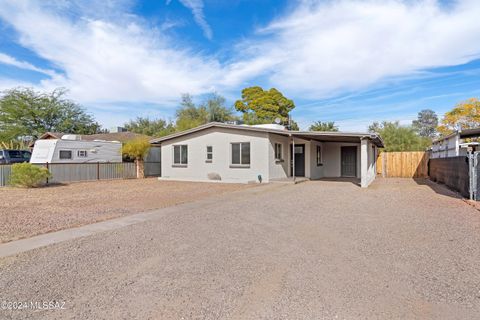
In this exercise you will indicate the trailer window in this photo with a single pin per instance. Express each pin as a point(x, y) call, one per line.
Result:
point(65, 154)
point(82, 153)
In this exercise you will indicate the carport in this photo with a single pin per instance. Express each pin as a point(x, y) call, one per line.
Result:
point(317, 155)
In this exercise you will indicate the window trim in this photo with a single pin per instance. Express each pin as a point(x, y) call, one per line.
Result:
point(319, 159)
point(60, 152)
point(240, 165)
point(209, 153)
point(180, 164)
point(280, 158)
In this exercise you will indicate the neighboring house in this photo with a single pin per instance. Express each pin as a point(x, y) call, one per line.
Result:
point(241, 153)
point(455, 144)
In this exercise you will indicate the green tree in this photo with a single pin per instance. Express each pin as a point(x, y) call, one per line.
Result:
point(137, 149)
point(323, 126)
point(212, 109)
point(150, 127)
point(426, 123)
point(399, 138)
point(25, 112)
point(216, 109)
point(189, 115)
point(263, 106)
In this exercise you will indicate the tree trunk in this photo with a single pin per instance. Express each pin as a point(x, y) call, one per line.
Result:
point(140, 168)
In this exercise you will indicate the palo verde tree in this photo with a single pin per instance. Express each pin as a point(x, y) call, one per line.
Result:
point(150, 127)
point(211, 109)
point(323, 126)
point(264, 106)
point(137, 149)
point(465, 115)
point(25, 112)
point(399, 138)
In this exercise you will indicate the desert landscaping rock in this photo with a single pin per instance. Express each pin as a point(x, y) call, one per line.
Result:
point(28, 212)
point(316, 250)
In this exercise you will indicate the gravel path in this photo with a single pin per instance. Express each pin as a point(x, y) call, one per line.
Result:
point(28, 212)
point(316, 250)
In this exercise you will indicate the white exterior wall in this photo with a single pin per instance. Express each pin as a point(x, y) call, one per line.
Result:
point(48, 150)
point(316, 172)
point(220, 139)
point(367, 163)
point(449, 147)
point(278, 169)
point(332, 159)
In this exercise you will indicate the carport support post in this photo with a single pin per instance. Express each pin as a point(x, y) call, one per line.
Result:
point(293, 158)
point(364, 163)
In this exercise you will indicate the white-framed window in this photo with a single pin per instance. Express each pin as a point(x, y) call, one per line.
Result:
point(180, 155)
point(240, 154)
point(319, 156)
point(278, 151)
point(82, 153)
point(209, 153)
point(65, 154)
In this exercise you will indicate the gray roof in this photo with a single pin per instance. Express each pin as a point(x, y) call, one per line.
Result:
point(466, 133)
point(327, 136)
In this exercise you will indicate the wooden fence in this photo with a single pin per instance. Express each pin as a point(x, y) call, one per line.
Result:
point(412, 164)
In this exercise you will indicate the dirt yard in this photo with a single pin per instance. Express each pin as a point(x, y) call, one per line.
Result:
point(316, 250)
point(28, 212)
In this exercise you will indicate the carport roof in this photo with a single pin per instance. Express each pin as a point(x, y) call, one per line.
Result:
point(326, 136)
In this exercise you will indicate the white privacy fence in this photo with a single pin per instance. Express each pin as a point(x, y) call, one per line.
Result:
point(70, 172)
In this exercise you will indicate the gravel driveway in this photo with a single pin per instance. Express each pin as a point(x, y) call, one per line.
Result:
point(28, 212)
point(316, 250)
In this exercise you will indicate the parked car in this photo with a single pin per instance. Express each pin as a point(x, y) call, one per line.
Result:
point(14, 156)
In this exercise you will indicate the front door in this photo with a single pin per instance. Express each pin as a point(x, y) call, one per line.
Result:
point(299, 160)
point(349, 161)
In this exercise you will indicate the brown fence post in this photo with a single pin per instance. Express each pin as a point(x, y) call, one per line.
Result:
point(98, 170)
point(48, 171)
point(384, 164)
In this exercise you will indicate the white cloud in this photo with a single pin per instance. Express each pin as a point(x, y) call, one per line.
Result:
point(325, 47)
point(108, 60)
point(9, 60)
point(196, 7)
point(319, 48)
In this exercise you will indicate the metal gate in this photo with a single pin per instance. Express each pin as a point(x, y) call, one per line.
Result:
point(153, 165)
point(473, 172)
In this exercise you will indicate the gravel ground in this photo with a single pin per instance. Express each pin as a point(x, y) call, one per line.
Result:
point(316, 250)
point(28, 212)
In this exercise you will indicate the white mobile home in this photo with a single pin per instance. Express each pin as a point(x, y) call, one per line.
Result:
point(71, 149)
point(241, 153)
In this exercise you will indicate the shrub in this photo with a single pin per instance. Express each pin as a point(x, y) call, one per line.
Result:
point(27, 175)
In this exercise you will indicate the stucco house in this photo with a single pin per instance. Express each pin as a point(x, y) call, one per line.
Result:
point(263, 153)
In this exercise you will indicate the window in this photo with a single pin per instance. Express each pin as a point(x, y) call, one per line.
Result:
point(319, 156)
point(180, 155)
point(241, 154)
point(209, 153)
point(65, 154)
point(82, 153)
point(278, 151)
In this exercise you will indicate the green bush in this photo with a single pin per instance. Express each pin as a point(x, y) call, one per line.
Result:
point(27, 175)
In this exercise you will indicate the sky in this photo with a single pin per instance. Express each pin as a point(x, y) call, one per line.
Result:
point(348, 61)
